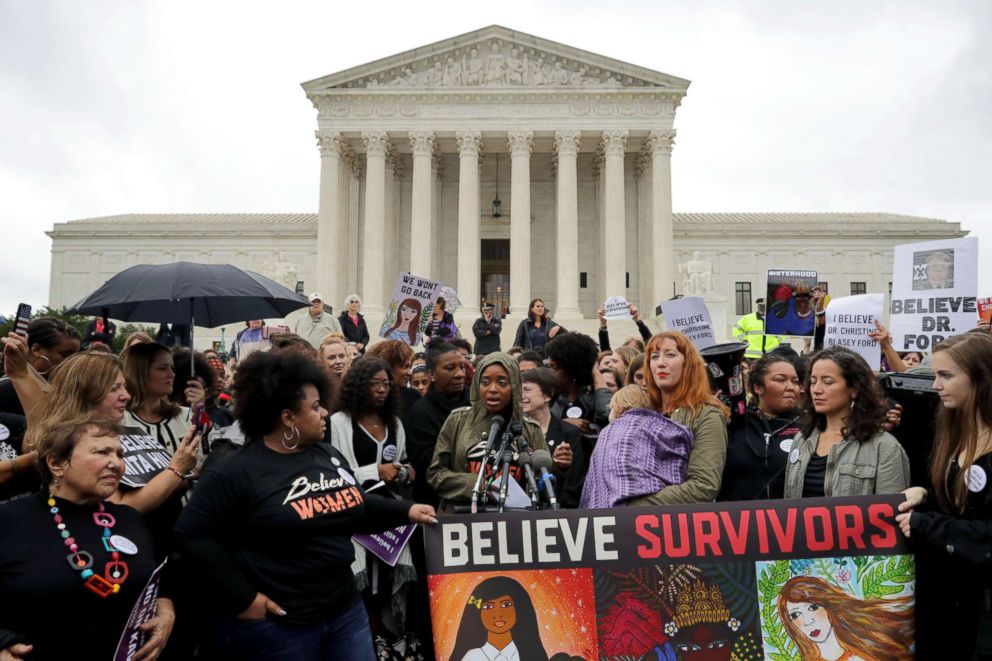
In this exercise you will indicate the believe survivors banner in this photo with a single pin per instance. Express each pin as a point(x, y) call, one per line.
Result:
point(784, 579)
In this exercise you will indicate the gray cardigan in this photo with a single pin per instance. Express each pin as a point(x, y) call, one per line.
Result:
point(876, 466)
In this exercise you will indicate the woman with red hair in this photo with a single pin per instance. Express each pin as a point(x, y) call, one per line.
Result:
point(675, 375)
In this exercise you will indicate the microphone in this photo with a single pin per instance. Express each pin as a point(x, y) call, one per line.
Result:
point(525, 460)
point(542, 460)
point(494, 433)
point(506, 459)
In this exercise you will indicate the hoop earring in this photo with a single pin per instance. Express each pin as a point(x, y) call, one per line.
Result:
point(49, 366)
point(852, 403)
point(288, 436)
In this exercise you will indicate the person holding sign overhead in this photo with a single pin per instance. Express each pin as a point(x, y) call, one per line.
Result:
point(270, 527)
point(954, 529)
point(842, 449)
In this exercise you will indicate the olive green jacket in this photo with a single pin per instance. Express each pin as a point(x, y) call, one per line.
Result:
point(706, 460)
point(876, 466)
point(465, 432)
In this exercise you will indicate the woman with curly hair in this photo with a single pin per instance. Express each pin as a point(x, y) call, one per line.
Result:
point(584, 399)
point(827, 623)
point(842, 436)
point(399, 357)
point(499, 619)
point(270, 527)
point(678, 388)
point(368, 434)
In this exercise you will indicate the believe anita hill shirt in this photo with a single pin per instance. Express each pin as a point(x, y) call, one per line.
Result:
point(281, 524)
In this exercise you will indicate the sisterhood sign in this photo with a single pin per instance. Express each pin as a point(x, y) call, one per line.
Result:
point(629, 582)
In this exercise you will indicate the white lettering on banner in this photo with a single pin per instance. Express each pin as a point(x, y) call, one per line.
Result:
point(302, 486)
point(488, 544)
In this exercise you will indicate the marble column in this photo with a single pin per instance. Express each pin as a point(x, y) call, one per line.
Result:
point(520, 144)
point(329, 252)
point(567, 232)
point(662, 231)
point(469, 246)
point(421, 207)
point(373, 264)
point(614, 247)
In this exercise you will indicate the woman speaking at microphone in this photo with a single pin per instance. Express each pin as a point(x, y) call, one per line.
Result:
point(270, 527)
point(496, 390)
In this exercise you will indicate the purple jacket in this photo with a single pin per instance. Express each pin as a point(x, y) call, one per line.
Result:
point(638, 454)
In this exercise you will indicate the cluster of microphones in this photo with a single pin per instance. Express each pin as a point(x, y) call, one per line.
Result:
point(501, 444)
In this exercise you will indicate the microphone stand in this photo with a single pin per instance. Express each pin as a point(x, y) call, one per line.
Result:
point(527, 462)
point(506, 458)
point(476, 490)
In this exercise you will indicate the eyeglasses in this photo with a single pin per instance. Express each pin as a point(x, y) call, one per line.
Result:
point(381, 385)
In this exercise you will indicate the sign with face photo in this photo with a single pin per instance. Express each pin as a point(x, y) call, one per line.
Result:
point(789, 303)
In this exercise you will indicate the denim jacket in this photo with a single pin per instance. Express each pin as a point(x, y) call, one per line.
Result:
point(876, 466)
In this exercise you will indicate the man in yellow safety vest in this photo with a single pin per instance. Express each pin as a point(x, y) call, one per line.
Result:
point(751, 329)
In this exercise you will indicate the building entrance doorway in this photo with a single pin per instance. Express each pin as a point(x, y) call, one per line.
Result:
point(496, 274)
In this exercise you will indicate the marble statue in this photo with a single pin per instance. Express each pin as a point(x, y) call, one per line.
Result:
point(495, 69)
point(697, 276)
point(473, 69)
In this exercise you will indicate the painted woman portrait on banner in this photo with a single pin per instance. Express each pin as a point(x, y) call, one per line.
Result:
point(410, 309)
point(851, 608)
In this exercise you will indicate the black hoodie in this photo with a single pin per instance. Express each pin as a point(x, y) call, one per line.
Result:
point(756, 456)
point(422, 423)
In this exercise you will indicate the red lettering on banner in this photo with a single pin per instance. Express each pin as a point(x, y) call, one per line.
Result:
point(736, 536)
point(786, 538)
point(666, 527)
point(762, 531)
point(850, 527)
point(642, 524)
point(704, 538)
point(888, 537)
point(823, 514)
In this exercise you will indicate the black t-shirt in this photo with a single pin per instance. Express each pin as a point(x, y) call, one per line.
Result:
point(43, 600)
point(9, 401)
point(816, 472)
point(281, 524)
point(12, 428)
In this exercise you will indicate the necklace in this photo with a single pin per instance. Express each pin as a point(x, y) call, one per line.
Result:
point(114, 572)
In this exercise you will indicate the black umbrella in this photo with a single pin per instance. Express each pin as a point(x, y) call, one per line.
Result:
point(186, 293)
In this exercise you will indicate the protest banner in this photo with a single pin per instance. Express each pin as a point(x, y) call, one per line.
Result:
point(985, 309)
point(934, 292)
point(637, 583)
point(144, 609)
point(850, 321)
point(411, 308)
point(790, 303)
point(144, 457)
point(691, 317)
point(617, 307)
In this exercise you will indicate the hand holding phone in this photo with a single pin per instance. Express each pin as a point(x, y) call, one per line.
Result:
point(22, 320)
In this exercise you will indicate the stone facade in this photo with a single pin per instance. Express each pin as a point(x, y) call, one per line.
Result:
point(577, 146)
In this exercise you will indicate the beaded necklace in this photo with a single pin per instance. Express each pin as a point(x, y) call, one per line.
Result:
point(114, 572)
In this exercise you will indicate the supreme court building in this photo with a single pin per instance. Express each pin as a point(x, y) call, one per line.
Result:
point(509, 167)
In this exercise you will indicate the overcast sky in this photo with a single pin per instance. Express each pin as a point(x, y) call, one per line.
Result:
point(109, 107)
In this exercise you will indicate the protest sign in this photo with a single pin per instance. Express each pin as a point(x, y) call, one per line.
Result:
point(985, 309)
point(790, 303)
point(617, 307)
point(144, 457)
point(691, 317)
point(386, 545)
point(144, 609)
point(850, 321)
point(411, 308)
point(635, 583)
point(934, 292)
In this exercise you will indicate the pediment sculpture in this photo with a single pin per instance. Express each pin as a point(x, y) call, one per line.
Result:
point(500, 64)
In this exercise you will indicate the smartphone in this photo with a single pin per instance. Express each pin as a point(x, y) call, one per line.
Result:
point(23, 319)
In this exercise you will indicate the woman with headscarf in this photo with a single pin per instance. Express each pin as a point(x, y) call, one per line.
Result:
point(496, 390)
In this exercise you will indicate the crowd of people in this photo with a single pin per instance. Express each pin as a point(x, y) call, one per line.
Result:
point(251, 471)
